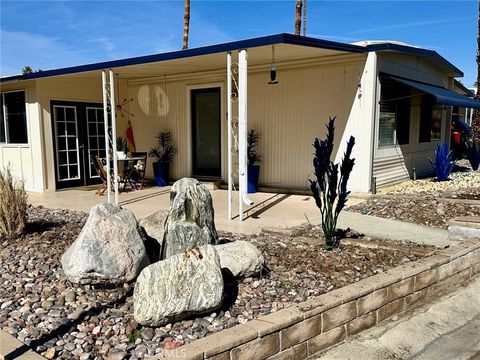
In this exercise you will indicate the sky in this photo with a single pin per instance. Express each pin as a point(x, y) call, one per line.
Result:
point(52, 34)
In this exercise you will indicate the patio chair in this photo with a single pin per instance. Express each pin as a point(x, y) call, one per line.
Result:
point(97, 163)
point(140, 167)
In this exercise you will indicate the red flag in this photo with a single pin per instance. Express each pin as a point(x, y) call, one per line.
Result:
point(130, 138)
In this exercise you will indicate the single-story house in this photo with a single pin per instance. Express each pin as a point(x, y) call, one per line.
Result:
point(397, 100)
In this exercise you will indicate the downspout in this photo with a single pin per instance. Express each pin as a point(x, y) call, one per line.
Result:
point(373, 185)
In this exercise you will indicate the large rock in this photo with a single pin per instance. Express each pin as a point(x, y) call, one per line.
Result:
point(185, 284)
point(109, 249)
point(154, 229)
point(190, 219)
point(242, 258)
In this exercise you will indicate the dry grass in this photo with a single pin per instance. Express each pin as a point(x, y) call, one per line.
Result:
point(13, 205)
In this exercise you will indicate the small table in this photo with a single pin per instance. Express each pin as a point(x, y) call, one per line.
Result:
point(128, 172)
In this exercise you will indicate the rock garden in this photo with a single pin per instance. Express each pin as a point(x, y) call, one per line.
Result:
point(102, 286)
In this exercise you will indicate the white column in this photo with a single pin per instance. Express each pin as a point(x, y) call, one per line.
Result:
point(242, 132)
point(107, 138)
point(114, 133)
point(229, 132)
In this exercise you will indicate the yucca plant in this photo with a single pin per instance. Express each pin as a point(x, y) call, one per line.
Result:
point(473, 155)
point(328, 186)
point(443, 164)
point(163, 151)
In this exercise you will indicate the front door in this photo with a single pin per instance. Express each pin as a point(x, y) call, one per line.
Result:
point(78, 130)
point(206, 132)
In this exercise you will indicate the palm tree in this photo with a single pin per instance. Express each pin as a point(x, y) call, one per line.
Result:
point(186, 24)
point(476, 120)
point(298, 17)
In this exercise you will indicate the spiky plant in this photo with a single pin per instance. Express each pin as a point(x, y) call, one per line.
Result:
point(328, 186)
point(163, 151)
point(253, 155)
point(443, 164)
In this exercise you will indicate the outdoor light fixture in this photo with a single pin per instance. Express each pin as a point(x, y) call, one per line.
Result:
point(273, 69)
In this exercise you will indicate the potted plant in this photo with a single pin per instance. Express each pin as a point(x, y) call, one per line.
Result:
point(254, 159)
point(163, 152)
point(121, 147)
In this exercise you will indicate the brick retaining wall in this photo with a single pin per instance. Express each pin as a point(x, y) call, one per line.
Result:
point(316, 324)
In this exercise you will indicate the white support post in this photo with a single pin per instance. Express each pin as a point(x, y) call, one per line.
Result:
point(229, 131)
point(107, 137)
point(114, 134)
point(242, 132)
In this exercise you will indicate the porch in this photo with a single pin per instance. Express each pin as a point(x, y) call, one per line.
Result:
point(269, 209)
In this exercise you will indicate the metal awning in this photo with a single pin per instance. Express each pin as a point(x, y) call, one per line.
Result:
point(442, 95)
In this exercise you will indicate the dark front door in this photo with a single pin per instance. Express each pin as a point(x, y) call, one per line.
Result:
point(206, 126)
point(78, 130)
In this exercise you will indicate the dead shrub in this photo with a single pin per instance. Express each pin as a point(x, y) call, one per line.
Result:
point(13, 205)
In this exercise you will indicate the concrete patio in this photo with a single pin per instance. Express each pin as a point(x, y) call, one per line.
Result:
point(269, 210)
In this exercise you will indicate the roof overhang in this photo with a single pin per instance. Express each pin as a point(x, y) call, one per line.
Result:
point(442, 96)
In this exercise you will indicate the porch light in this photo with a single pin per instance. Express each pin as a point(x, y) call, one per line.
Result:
point(273, 69)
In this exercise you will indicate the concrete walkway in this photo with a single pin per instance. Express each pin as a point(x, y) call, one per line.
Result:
point(393, 229)
point(447, 330)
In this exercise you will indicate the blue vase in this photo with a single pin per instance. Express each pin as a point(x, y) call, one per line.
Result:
point(252, 178)
point(160, 173)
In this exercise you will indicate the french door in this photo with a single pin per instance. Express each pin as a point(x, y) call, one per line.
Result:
point(78, 130)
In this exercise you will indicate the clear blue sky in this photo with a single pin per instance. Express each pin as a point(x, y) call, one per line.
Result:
point(52, 34)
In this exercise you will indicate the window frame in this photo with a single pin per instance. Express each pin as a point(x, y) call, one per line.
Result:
point(396, 142)
point(6, 143)
point(432, 107)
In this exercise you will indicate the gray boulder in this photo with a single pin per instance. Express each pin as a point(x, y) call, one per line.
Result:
point(242, 258)
point(185, 284)
point(190, 219)
point(109, 249)
point(154, 228)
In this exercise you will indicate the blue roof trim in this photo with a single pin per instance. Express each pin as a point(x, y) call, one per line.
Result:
point(442, 95)
point(413, 51)
point(283, 38)
point(205, 50)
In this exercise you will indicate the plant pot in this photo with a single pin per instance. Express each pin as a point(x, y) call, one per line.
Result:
point(121, 155)
point(160, 172)
point(252, 178)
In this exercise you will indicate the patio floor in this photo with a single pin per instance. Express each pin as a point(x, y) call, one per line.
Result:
point(269, 210)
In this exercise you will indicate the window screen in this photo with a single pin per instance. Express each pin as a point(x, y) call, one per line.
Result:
point(14, 118)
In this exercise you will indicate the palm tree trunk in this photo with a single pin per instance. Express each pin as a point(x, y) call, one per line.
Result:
point(298, 17)
point(476, 118)
point(186, 24)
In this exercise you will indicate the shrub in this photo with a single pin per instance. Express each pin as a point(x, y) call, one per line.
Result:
point(13, 205)
point(473, 155)
point(328, 186)
point(443, 164)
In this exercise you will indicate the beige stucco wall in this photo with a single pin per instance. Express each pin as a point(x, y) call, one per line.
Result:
point(288, 116)
point(396, 163)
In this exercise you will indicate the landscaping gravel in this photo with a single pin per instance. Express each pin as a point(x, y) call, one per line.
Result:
point(61, 320)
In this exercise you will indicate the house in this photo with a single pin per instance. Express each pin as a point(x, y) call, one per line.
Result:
point(394, 98)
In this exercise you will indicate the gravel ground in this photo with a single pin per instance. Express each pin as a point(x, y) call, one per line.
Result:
point(427, 202)
point(61, 320)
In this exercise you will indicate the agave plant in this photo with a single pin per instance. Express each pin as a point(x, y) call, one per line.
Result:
point(328, 186)
point(443, 164)
point(473, 155)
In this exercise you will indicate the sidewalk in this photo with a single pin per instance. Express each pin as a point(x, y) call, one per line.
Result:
point(449, 329)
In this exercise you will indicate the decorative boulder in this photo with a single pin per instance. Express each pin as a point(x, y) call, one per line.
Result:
point(154, 229)
point(242, 258)
point(109, 249)
point(185, 284)
point(190, 219)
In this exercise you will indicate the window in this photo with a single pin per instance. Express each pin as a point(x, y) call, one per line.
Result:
point(394, 122)
point(13, 119)
point(430, 120)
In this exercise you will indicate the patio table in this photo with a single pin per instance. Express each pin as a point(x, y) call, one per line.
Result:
point(127, 173)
